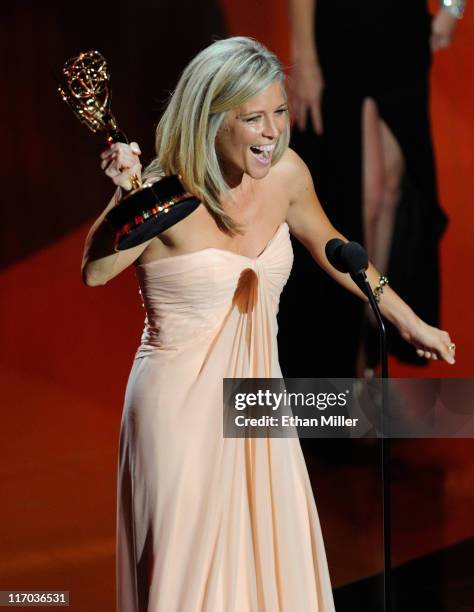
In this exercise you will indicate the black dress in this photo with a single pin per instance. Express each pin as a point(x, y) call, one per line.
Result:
point(378, 49)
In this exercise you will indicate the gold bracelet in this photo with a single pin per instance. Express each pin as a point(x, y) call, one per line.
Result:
point(383, 280)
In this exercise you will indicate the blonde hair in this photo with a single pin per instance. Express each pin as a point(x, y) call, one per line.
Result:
point(221, 77)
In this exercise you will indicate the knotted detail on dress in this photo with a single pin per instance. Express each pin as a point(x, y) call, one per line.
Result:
point(245, 300)
point(246, 294)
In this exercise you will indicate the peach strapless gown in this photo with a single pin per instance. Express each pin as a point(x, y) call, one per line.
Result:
point(207, 523)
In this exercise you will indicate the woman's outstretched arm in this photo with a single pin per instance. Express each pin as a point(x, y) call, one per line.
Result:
point(309, 224)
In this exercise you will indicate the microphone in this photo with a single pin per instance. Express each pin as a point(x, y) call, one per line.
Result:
point(348, 257)
point(333, 253)
point(351, 258)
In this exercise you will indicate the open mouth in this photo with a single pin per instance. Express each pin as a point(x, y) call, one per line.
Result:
point(263, 153)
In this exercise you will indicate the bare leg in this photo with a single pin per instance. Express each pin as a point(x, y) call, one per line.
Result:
point(373, 180)
point(382, 171)
point(373, 177)
point(383, 167)
point(394, 168)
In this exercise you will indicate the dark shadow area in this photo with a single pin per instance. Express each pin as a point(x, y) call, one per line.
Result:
point(440, 582)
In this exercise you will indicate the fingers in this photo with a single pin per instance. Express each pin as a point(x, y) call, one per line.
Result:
point(443, 26)
point(447, 348)
point(426, 354)
point(305, 85)
point(443, 348)
point(299, 111)
point(119, 157)
point(448, 352)
point(316, 118)
point(106, 161)
point(122, 151)
point(435, 43)
point(112, 171)
point(439, 41)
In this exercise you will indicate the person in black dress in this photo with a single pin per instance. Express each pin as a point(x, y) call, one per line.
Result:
point(360, 90)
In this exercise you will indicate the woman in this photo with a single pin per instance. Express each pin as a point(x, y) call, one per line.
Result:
point(360, 88)
point(207, 523)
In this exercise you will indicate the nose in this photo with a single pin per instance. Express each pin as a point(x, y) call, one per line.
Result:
point(270, 128)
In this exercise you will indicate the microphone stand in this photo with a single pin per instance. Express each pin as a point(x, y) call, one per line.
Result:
point(361, 280)
point(352, 258)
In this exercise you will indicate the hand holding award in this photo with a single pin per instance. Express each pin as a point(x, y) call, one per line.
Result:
point(149, 209)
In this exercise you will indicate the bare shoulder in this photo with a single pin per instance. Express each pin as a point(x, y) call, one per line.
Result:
point(305, 216)
point(294, 173)
point(292, 161)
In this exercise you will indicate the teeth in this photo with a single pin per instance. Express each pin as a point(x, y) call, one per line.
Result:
point(265, 148)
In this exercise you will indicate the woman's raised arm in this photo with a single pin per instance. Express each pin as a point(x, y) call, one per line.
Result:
point(100, 262)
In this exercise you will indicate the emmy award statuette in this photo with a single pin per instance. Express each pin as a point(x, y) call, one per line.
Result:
point(148, 209)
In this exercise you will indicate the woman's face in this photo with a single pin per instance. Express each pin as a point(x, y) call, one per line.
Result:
point(248, 135)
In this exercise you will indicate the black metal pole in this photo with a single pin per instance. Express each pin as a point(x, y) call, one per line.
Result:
point(385, 441)
point(351, 257)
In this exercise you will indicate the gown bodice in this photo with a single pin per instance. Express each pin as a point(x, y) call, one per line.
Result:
point(188, 296)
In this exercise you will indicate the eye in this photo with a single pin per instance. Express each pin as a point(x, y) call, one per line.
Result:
point(252, 119)
point(280, 111)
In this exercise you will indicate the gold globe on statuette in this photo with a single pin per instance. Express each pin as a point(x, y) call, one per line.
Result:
point(149, 209)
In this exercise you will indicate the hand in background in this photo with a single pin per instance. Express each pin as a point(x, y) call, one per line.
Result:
point(305, 88)
point(120, 162)
point(443, 27)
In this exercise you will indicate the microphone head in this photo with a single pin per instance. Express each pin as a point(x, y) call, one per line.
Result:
point(354, 258)
point(333, 253)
